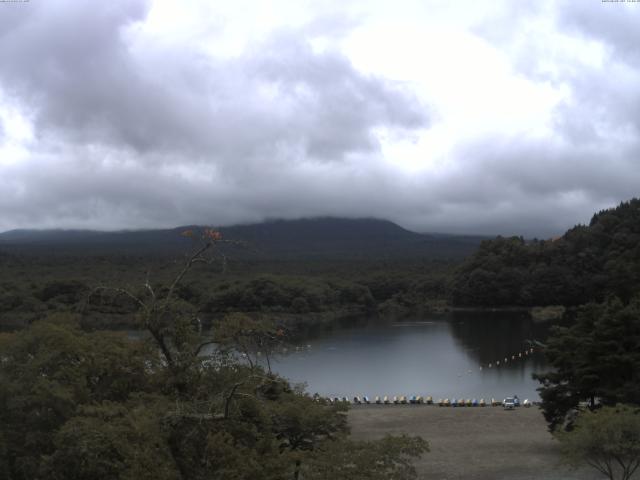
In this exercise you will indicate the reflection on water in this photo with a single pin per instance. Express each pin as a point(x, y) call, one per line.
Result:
point(439, 356)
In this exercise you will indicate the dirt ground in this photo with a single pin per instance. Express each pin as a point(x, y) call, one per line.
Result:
point(471, 443)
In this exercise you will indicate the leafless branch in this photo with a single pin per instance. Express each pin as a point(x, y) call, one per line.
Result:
point(229, 397)
point(150, 288)
point(189, 263)
point(202, 345)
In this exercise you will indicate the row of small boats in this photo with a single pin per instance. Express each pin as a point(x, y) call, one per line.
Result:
point(416, 399)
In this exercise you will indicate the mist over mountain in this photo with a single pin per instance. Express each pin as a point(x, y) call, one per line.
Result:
point(316, 237)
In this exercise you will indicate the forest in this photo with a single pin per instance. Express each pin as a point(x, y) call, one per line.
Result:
point(80, 403)
point(80, 400)
point(586, 264)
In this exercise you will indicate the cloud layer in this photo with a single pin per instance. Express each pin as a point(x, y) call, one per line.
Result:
point(110, 122)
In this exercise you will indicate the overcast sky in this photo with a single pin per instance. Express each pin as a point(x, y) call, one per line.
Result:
point(494, 117)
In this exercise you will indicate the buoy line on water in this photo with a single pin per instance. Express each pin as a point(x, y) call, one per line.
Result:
point(505, 360)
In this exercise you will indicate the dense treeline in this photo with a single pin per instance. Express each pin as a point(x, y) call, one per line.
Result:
point(586, 264)
point(34, 286)
point(595, 359)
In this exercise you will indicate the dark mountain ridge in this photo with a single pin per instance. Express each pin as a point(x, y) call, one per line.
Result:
point(316, 237)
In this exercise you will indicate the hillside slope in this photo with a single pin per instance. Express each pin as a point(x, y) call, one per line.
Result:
point(586, 264)
point(291, 239)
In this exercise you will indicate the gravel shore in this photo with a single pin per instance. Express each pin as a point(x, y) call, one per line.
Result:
point(471, 443)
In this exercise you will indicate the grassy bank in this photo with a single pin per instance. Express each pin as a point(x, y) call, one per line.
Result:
point(471, 443)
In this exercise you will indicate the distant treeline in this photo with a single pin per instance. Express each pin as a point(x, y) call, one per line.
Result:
point(32, 287)
point(586, 264)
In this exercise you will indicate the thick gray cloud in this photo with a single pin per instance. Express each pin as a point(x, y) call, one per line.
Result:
point(89, 81)
point(132, 133)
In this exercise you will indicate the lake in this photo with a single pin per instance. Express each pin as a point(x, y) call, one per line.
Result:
point(444, 356)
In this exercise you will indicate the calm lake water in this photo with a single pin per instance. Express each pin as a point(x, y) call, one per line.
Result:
point(439, 356)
